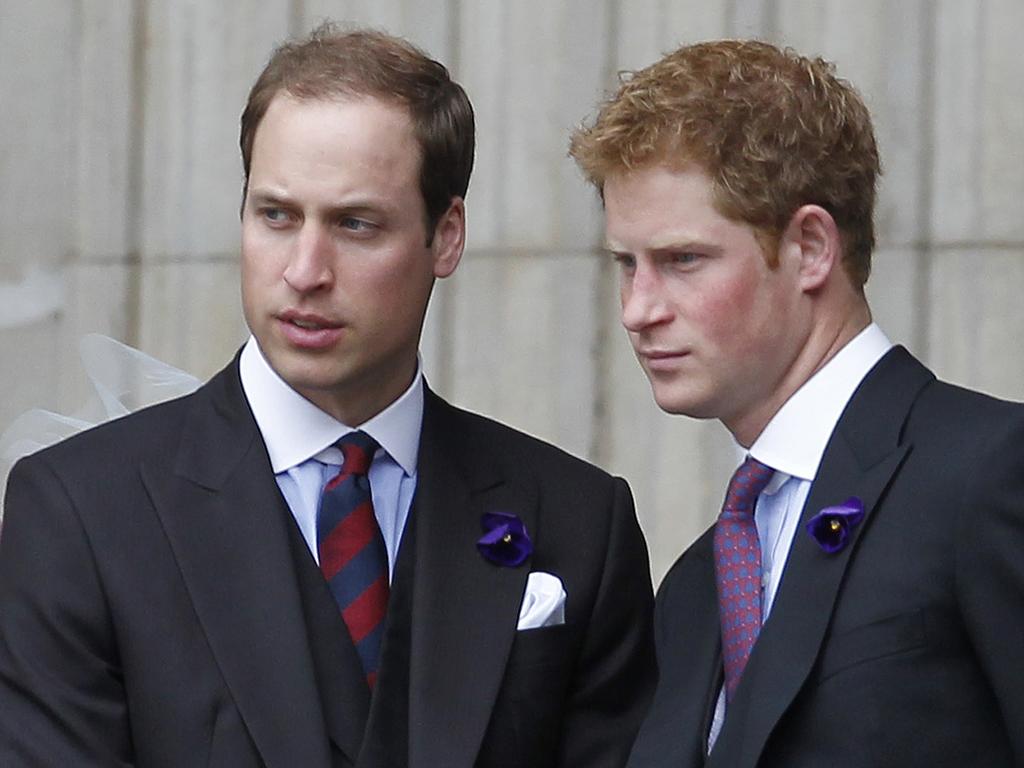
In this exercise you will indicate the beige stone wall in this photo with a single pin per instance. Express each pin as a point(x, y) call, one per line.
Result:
point(119, 187)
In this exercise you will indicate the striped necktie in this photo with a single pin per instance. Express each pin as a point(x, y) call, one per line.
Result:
point(353, 558)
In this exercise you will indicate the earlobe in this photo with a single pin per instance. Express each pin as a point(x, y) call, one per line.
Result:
point(449, 238)
point(815, 235)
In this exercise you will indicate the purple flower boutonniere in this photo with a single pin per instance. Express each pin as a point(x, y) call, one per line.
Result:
point(832, 526)
point(505, 540)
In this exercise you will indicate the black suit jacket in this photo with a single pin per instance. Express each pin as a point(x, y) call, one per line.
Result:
point(904, 648)
point(152, 613)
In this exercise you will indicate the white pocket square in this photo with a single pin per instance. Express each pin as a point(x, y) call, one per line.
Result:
point(543, 602)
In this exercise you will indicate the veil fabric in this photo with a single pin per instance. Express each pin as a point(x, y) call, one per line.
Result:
point(123, 380)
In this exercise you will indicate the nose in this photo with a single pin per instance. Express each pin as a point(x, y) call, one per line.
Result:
point(310, 264)
point(642, 294)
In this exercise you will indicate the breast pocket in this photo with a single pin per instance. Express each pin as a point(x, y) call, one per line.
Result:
point(526, 721)
point(541, 647)
point(231, 745)
point(879, 639)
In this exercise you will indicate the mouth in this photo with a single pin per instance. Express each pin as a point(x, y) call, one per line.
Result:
point(307, 320)
point(307, 330)
point(661, 359)
point(660, 354)
point(309, 325)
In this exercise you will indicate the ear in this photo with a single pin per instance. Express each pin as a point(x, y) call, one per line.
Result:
point(812, 236)
point(449, 238)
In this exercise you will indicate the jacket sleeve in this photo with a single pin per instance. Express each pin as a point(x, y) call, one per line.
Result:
point(989, 573)
point(62, 701)
point(616, 671)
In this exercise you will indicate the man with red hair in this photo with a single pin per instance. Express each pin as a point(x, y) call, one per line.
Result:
point(860, 600)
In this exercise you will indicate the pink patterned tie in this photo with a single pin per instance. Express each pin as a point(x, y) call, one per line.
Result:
point(738, 569)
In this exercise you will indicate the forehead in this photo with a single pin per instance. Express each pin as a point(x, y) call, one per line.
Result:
point(655, 178)
point(666, 207)
point(363, 128)
point(658, 196)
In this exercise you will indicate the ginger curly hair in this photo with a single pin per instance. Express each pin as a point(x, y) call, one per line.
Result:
point(773, 129)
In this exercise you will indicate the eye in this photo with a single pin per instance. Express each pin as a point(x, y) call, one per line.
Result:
point(625, 261)
point(356, 225)
point(684, 258)
point(274, 216)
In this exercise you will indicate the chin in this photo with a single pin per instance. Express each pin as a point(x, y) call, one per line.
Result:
point(299, 373)
point(671, 405)
point(681, 404)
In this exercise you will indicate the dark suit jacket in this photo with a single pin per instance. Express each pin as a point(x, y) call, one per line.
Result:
point(906, 648)
point(152, 611)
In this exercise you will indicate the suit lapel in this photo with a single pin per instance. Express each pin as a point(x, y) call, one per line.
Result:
point(693, 686)
point(861, 459)
point(344, 695)
point(464, 608)
point(226, 522)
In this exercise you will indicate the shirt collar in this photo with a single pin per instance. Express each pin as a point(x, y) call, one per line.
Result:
point(794, 440)
point(295, 430)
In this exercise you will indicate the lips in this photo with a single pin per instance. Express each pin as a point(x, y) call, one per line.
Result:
point(661, 354)
point(658, 354)
point(660, 359)
point(306, 330)
point(309, 325)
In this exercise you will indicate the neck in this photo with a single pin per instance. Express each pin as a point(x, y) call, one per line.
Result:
point(824, 341)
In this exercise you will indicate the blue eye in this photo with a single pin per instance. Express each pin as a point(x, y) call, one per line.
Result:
point(624, 260)
point(356, 225)
point(274, 215)
point(685, 257)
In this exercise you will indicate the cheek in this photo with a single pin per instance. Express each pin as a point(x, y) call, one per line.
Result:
point(263, 260)
point(402, 277)
point(252, 285)
point(725, 313)
point(755, 328)
point(259, 278)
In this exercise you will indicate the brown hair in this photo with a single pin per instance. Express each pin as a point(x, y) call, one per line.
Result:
point(331, 63)
point(773, 129)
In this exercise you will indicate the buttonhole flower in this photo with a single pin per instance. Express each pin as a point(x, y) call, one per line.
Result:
point(505, 541)
point(831, 527)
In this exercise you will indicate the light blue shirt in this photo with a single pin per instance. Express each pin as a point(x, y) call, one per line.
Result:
point(793, 444)
point(300, 442)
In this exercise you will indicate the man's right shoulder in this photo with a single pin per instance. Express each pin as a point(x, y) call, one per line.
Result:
point(149, 432)
point(690, 567)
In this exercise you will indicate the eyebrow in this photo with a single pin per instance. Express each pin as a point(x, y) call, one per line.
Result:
point(263, 196)
point(669, 244)
point(358, 205)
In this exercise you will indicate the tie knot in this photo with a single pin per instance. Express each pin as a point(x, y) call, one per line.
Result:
point(357, 448)
point(746, 485)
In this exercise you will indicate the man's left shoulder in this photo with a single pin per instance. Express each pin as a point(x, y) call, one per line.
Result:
point(929, 408)
point(477, 435)
point(952, 407)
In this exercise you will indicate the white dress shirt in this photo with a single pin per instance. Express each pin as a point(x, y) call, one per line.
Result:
point(793, 444)
point(300, 441)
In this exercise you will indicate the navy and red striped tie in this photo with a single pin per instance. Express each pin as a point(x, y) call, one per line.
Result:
point(353, 558)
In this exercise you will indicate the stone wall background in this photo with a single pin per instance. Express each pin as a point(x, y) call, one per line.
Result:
point(120, 180)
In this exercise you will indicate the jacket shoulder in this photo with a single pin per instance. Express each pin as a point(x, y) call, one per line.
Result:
point(151, 432)
point(475, 433)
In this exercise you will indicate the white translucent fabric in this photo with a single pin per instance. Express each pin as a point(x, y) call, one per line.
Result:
point(123, 380)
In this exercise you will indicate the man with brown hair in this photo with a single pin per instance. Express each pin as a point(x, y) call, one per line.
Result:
point(313, 560)
point(860, 600)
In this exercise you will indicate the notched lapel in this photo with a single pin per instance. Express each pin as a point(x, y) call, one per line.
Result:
point(344, 695)
point(679, 720)
point(465, 608)
point(862, 459)
point(225, 520)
